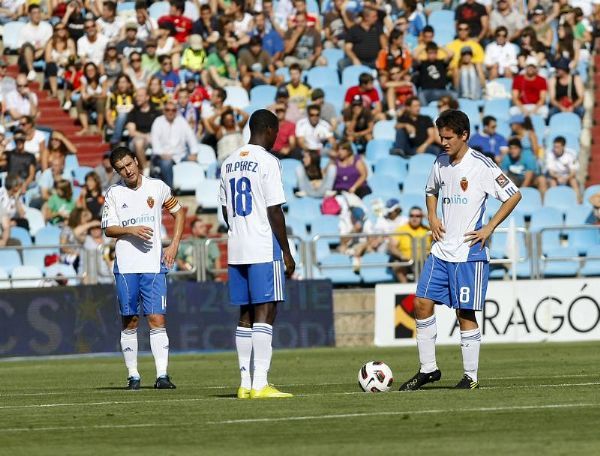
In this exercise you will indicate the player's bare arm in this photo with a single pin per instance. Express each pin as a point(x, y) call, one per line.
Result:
point(437, 229)
point(483, 234)
point(143, 232)
point(277, 222)
point(170, 252)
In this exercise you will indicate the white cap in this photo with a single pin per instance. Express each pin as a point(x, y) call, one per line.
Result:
point(531, 60)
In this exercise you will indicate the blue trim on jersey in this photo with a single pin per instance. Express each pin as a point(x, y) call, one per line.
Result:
point(484, 162)
point(488, 160)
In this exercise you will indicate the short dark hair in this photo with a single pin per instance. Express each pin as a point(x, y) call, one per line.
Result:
point(295, 66)
point(205, 7)
point(462, 23)
point(119, 153)
point(261, 120)
point(561, 140)
point(396, 33)
point(12, 181)
point(410, 100)
point(178, 4)
point(364, 78)
point(141, 4)
point(429, 47)
point(33, 6)
point(455, 120)
point(428, 29)
point(111, 6)
point(415, 208)
point(501, 29)
point(222, 93)
point(313, 107)
point(488, 120)
point(221, 45)
point(514, 141)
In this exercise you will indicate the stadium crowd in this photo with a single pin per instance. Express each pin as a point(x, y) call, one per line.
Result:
point(167, 80)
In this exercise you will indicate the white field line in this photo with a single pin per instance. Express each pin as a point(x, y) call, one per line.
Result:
point(416, 412)
point(205, 399)
point(79, 428)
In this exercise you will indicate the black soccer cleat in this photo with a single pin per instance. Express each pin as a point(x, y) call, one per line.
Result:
point(421, 379)
point(467, 383)
point(133, 384)
point(164, 383)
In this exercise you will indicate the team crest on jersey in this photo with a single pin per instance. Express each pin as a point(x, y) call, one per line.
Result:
point(150, 202)
point(464, 184)
point(244, 153)
point(502, 180)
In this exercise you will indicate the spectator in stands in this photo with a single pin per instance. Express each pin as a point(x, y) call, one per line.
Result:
point(415, 133)
point(364, 40)
point(299, 93)
point(358, 124)
point(182, 24)
point(311, 179)
point(150, 58)
point(60, 203)
point(446, 102)
point(209, 107)
point(72, 78)
point(168, 76)
point(468, 77)
point(111, 66)
point(350, 172)
point(58, 144)
point(131, 43)
point(566, 46)
point(391, 218)
point(272, 41)
point(139, 125)
point(172, 138)
point(475, 15)
point(93, 98)
point(292, 112)
point(522, 128)
point(32, 41)
point(354, 221)
point(432, 75)
point(193, 60)
point(91, 197)
point(56, 55)
point(562, 166)
point(166, 44)
point(328, 112)
point(398, 89)
point(302, 44)
point(22, 101)
point(566, 90)
point(541, 24)
point(243, 22)
point(285, 145)
point(488, 141)
point(336, 23)
point(312, 131)
point(146, 26)
point(401, 246)
point(11, 11)
point(185, 258)
point(157, 95)
point(120, 104)
point(367, 93)
point(396, 55)
point(108, 176)
point(529, 91)
point(531, 49)
point(501, 56)
point(73, 233)
point(594, 200)
point(256, 66)
point(509, 17)
point(415, 17)
point(18, 162)
point(35, 140)
point(582, 29)
point(221, 66)
point(138, 75)
point(419, 53)
point(187, 109)
point(522, 168)
point(91, 46)
point(464, 40)
point(74, 20)
point(234, 40)
point(109, 24)
point(11, 204)
point(7, 83)
point(228, 130)
point(207, 26)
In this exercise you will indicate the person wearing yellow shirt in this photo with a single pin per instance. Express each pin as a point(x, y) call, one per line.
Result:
point(299, 92)
point(401, 247)
point(463, 40)
point(193, 59)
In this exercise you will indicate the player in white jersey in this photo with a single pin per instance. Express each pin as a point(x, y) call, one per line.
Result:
point(258, 251)
point(456, 272)
point(133, 215)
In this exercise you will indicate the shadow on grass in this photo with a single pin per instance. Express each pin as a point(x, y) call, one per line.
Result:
point(120, 388)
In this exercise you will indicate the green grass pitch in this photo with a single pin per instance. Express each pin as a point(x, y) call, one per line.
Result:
point(536, 399)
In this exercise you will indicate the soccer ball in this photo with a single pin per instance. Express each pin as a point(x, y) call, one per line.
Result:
point(375, 377)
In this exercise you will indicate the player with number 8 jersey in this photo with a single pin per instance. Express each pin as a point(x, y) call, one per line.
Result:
point(251, 196)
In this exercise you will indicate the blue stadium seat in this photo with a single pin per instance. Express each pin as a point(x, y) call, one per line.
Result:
point(284, 72)
point(414, 183)
point(491, 207)
point(589, 192)
point(10, 259)
point(470, 108)
point(561, 198)
point(16, 232)
point(125, 7)
point(49, 235)
point(186, 175)
point(237, 97)
point(262, 95)
point(71, 162)
point(252, 108)
point(440, 20)
point(564, 122)
point(385, 129)
point(79, 174)
point(377, 149)
point(543, 218)
point(343, 273)
point(158, 9)
point(375, 274)
point(26, 272)
point(392, 165)
point(444, 36)
point(207, 194)
point(325, 225)
point(36, 257)
point(497, 108)
point(211, 170)
point(64, 270)
point(591, 268)
point(381, 185)
point(506, 83)
point(351, 73)
point(305, 208)
point(581, 239)
point(408, 200)
point(11, 32)
point(421, 164)
point(4, 279)
point(503, 129)
point(571, 138)
point(206, 156)
point(333, 56)
point(532, 200)
point(323, 249)
point(560, 268)
point(335, 94)
point(35, 218)
point(321, 77)
point(430, 111)
point(297, 225)
point(191, 11)
point(312, 6)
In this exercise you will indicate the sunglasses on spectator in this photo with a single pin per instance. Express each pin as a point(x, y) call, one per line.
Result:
point(170, 109)
point(463, 29)
point(21, 85)
point(501, 35)
point(136, 60)
point(416, 215)
point(166, 62)
point(392, 73)
point(313, 115)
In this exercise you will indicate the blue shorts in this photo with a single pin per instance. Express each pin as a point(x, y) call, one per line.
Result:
point(256, 283)
point(148, 288)
point(457, 285)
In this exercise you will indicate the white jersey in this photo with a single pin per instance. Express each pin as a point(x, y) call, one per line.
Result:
point(250, 183)
point(124, 207)
point(462, 190)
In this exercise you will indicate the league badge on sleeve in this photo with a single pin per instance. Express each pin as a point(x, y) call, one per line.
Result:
point(464, 184)
point(502, 180)
point(150, 202)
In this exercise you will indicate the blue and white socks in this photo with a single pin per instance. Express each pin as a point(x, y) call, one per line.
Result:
point(470, 342)
point(159, 344)
point(262, 336)
point(129, 347)
point(426, 335)
point(243, 344)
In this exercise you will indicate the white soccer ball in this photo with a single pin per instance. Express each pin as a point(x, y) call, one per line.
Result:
point(375, 377)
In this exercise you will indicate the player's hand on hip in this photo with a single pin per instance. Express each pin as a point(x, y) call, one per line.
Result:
point(142, 232)
point(169, 255)
point(437, 229)
point(481, 235)
point(290, 264)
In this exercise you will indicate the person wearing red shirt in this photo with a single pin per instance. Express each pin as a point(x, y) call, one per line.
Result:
point(182, 24)
point(529, 91)
point(368, 93)
point(312, 20)
point(285, 144)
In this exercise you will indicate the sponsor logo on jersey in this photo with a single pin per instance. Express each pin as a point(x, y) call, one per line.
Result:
point(464, 184)
point(150, 202)
point(138, 220)
point(502, 180)
point(244, 153)
point(455, 199)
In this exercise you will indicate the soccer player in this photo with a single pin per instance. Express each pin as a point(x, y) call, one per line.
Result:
point(456, 272)
point(133, 215)
point(258, 252)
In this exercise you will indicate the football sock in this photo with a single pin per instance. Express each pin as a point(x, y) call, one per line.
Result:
point(129, 347)
point(470, 341)
point(243, 344)
point(426, 335)
point(159, 343)
point(262, 335)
